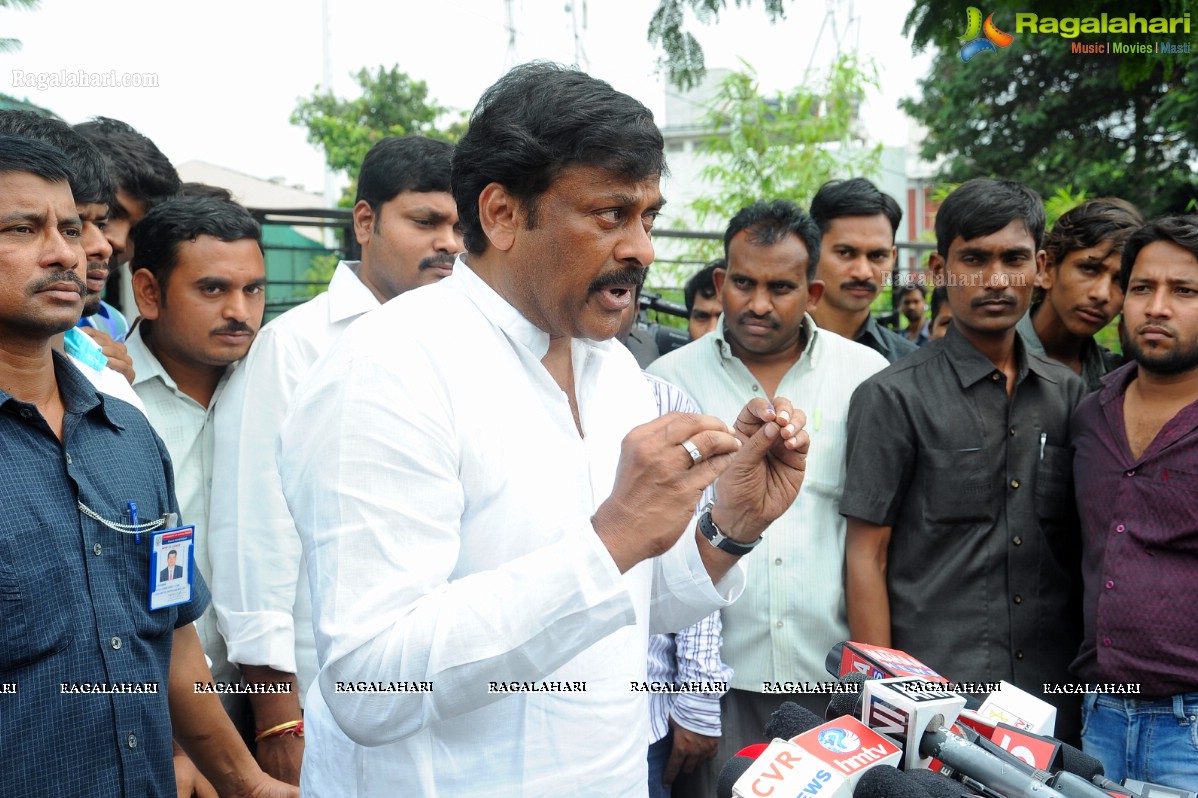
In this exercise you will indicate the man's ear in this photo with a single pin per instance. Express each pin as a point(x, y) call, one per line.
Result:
point(501, 216)
point(936, 267)
point(1044, 275)
point(717, 278)
point(364, 222)
point(147, 293)
point(815, 290)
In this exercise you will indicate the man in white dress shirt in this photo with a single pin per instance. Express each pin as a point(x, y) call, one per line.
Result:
point(766, 343)
point(486, 557)
point(406, 223)
point(199, 281)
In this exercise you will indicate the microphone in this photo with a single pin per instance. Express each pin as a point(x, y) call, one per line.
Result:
point(783, 771)
point(849, 747)
point(905, 707)
point(790, 720)
point(730, 773)
point(1019, 708)
point(876, 662)
point(847, 703)
point(937, 785)
point(981, 765)
point(1148, 790)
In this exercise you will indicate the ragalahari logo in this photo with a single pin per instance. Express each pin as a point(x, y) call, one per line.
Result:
point(982, 37)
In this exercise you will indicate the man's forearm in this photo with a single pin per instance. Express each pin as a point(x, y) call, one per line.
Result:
point(867, 600)
point(200, 724)
point(275, 707)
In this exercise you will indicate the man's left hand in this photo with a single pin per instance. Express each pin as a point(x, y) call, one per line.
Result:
point(688, 752)
point(765, 475)
point(118, 356)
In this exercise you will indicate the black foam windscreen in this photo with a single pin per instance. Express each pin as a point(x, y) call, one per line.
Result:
point(791, 720)
point(937, 785)
point(847, 703)
point(733, 769)
point(884, 781)
point(1080, 763)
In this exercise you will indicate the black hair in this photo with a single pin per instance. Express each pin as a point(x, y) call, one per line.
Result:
point(1096, 221)
point(939, 297)
point(135, 164)
point(192, 189)
point(538, 120)
point(1179, 230)
point(702, 283)
point(901, 291)
point(855, 197)
point(983, 206)
point(403, 163)
point(767, 223)
point(156, 238)
point(91, 182)
point(23, 154)
point(174, 552)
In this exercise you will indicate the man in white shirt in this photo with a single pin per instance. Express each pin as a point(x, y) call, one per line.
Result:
point(199, 279)
point(766, 344)
point(406, 222)
point(486, 557)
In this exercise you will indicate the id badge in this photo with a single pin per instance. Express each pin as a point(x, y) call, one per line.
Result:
point(172, 567)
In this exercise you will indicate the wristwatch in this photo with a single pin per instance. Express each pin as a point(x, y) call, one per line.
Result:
point(721, 541)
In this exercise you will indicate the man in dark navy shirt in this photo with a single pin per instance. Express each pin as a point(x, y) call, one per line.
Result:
point(92, 676)
point(1137, 493)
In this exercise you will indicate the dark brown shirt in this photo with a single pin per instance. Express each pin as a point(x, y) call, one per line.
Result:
point(983, 572)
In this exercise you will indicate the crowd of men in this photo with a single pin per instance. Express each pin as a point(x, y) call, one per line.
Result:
point(435, 532)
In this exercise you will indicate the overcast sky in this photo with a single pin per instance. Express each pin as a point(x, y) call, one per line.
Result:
point(229, 72)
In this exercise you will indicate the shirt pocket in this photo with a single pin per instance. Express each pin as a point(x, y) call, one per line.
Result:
point(148, 624)
point(34, 624)
point(1054, 483)
point(959, 486)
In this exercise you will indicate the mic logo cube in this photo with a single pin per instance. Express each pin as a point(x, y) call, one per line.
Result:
point(849, 747)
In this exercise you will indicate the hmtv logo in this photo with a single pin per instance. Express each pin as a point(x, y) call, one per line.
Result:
point(982, 37)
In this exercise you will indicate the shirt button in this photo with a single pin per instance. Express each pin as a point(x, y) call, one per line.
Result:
point(996, 376)
point(1110, 584)
point(132, 740)
point(778, 561)
point(69, 460)
point(1121, 529)
point(116, 643)
point(1131, 473)
point(26, 412)
point(1018, 541)
point(1018, 599)
point(96, 549)
point(1018, 655)
point(1106, 641)
point(779, 624)
point(1012, 432)
point(1014, 483)
point(755, 389)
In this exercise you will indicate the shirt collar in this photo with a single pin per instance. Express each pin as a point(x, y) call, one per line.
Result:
point(871, 329)
point(348, 295)
point(498, 310)
point(972, 366)
point(811, 334)
point(79, 396)
point(145, 365)
point(1091, 355)
point(1115, 384)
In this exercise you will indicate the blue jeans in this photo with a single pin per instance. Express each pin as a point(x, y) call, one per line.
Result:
point(659, 756)
point(1152, 741)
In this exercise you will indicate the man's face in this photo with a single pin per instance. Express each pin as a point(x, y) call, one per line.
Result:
point(704, 315)
point(98, 251)
point(913, 306)
point(128, 211)
point(855, 253)
point(575, 270)
point(1160, 313)
point(411, 241)
point(213, 304)
point(990, 278)
point(765, 295)
point(41, 257)
point(1084, 289)
point(940, 324)
point(170, 559)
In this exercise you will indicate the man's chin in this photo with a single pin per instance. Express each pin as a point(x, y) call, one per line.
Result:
point(91, 306)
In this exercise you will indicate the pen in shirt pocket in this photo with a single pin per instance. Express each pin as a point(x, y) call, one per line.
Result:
point(1043, 440)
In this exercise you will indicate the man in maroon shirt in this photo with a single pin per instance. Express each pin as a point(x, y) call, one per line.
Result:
point(1136, 472)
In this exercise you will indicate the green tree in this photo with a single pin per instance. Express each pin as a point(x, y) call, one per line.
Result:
point(1038, 113)
point(391, 104)
point(12, 45)
point(682, 58)
point(782, 146)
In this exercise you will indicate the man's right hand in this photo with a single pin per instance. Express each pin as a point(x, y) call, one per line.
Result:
point(658, 484)
point(118, 356)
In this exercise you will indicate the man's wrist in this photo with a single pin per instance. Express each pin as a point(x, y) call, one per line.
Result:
point(726, 524)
